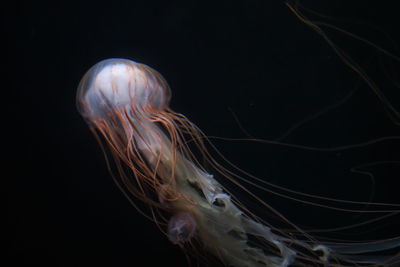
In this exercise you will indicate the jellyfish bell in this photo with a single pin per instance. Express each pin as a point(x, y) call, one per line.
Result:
point(114, 93)
point(121, 84)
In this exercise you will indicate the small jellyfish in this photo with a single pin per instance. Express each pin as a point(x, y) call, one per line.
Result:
point(126, 105)
point(181, 228)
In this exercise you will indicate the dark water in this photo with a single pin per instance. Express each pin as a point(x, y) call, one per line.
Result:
point(252, 60)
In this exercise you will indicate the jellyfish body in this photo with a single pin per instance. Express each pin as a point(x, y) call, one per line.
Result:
point(181, 228)
point(126, 103)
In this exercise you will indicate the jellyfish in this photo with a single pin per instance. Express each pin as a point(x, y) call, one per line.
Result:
point(160, 158)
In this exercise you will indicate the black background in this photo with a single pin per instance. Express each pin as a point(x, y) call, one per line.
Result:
point(253, 59)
